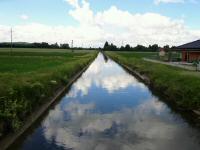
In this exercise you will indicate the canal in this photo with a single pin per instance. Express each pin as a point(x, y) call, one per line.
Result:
point(109, 109)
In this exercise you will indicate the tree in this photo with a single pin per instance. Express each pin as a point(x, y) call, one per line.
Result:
point(140, 48)
point(54, 45)
point(122, 48)
point(65, 46)
point(154, 47)
point(44, 45)
point(196, 64)
point(106, 45)
point(166, 47)
point(127, 47)
point(113, 47)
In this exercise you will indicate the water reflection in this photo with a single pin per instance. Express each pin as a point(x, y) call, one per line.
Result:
point(147, 126)
point(108, 109)
point(106, 75)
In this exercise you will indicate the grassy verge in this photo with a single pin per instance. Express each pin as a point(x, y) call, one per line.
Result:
point(27, 80)
point(43, 50)
point(179, 86)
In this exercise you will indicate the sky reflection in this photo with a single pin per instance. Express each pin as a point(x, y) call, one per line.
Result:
point(107, 75)
point(143, 127)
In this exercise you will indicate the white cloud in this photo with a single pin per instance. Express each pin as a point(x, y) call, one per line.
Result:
point(83, 14)
point(157, 2)
point(24, 17)
point(168, 1)
point(94, 29)
point(74, 3)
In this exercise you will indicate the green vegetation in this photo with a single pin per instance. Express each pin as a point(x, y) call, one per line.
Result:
point(178, 85)
point(43, 50)
point(34, 45)
point(127, 47)
point(28, 79)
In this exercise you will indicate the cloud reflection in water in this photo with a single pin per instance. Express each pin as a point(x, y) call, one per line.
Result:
point(140, 128)
point(106, 75)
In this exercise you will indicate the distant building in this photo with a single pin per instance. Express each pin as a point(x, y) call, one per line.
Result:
point(190, 51)
point(162, 52)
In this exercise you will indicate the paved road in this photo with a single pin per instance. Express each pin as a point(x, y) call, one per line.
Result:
point(174, 64)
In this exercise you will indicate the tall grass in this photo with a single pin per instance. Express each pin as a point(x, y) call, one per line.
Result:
point(178, 85)
point(28, 79)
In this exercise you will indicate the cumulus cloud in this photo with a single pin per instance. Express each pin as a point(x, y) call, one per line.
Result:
point(94, 28)
point(157, 2)
point(24, 17)
point(74, 3)
point(168, 1)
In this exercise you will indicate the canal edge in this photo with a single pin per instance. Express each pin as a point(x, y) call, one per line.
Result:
point(147, 81)
point(138, 75)
point(8, 140)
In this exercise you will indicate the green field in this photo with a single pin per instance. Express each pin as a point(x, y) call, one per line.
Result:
point(27, 79)
point(178, 85)
point(48, 50)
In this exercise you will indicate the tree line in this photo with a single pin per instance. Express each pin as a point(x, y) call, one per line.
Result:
point(42, 45)
point(34, 45)
point(127, 47)
point(107, 46)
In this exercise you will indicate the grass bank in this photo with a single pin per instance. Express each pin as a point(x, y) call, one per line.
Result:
point(178, 85)
point(28, 79)
point(43, 50)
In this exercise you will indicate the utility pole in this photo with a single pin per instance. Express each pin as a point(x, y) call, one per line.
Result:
point(11, 41)
point(72, 46)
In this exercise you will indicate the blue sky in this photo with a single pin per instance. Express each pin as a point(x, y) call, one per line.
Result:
point(56, 12)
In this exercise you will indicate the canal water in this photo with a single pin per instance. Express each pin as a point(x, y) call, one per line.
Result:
point(109, 109)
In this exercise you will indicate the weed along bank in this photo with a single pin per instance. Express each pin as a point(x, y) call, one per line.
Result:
point(31, 83)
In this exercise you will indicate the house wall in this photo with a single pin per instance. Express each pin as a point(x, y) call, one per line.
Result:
point(184, 56)
point(190, 56)
point(194, 56)
point(162, 53)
